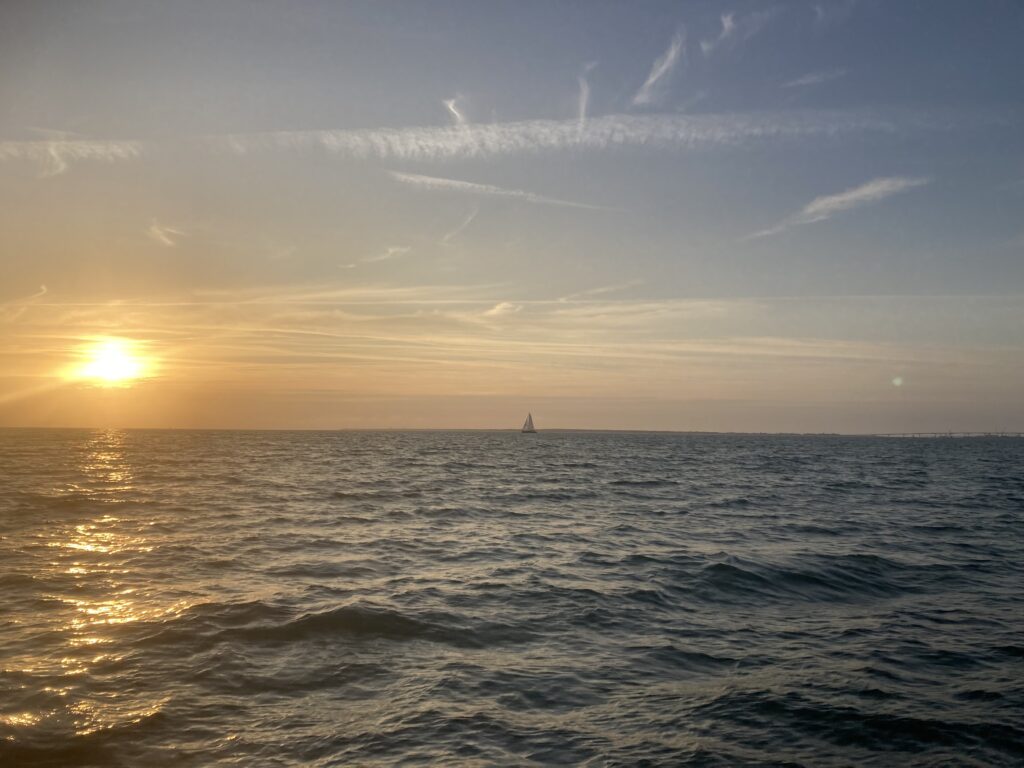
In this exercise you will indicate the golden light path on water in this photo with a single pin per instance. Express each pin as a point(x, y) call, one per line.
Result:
point(97, 556)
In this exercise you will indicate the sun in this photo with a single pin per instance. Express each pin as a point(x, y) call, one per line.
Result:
point(112, 363)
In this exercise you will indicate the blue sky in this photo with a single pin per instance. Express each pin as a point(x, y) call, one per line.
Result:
point(690, 215)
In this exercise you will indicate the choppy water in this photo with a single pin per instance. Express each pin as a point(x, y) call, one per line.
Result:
point(271, 599)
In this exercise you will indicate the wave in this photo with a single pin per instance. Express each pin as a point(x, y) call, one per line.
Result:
point(329, 569)
point(257, 621)
point(822, 578)
point(376, 495)
point(879, 731)
point(54, 745)
point(544, 495)
point(71, 503)
point(683, 660)
point(653, 483)
point(1013, 651)
point(370, 621)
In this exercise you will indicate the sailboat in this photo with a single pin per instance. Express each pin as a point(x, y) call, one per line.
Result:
point(528, 424)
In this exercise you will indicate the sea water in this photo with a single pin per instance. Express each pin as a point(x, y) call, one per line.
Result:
point(194, 598)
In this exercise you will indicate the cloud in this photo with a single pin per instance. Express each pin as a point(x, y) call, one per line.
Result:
point(878, 189)
point(388, 253)
point(728, 21)
point(733, 29)
point(816, 78)
point(55, 156)
point(166, 236)
point(15, 308)
point(451, 106)
point(602, 290)
point(452, 234)
point(652, 91)
point(482, 141)
point(315, 293)
point(503, 308)
point(659, 131)
point(454, 185)
point(827, 206)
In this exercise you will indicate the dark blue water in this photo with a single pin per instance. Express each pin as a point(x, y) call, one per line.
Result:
point(279, 599)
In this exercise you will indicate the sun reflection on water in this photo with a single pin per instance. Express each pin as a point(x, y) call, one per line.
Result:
point(106, 465)
point(20, 719)
point(105, 594)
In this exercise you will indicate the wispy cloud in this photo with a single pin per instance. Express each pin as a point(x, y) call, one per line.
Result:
point(653, 89)
point(737, 28)
point(54, 157)
point(388, 253)
point(652, 131)
point(601, 290)
point(13, 309)
point(437, 183)
point(166, 236)
point(816, 78)
point(662, 131)
point(503, 308)
point(584, 97)
point(452, 106)
point(370, 341)
point(728, 21)
point(486, 140)
point(827, 206)
point(453, 233)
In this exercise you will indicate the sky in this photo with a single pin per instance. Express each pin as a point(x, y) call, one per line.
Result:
point(735, 216)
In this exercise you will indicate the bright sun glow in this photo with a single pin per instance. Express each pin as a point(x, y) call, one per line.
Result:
point(111, 362)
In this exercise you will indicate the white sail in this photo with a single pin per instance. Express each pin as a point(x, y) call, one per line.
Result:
point(528, 425)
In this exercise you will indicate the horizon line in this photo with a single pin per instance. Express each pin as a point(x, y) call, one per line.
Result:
point(1011, 433)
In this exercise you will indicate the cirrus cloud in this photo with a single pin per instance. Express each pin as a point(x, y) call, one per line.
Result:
point(827, 206)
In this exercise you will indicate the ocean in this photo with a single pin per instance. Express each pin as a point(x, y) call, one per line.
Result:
point(204, 598)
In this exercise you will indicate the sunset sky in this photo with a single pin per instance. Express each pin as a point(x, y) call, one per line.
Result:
point(743, 216)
